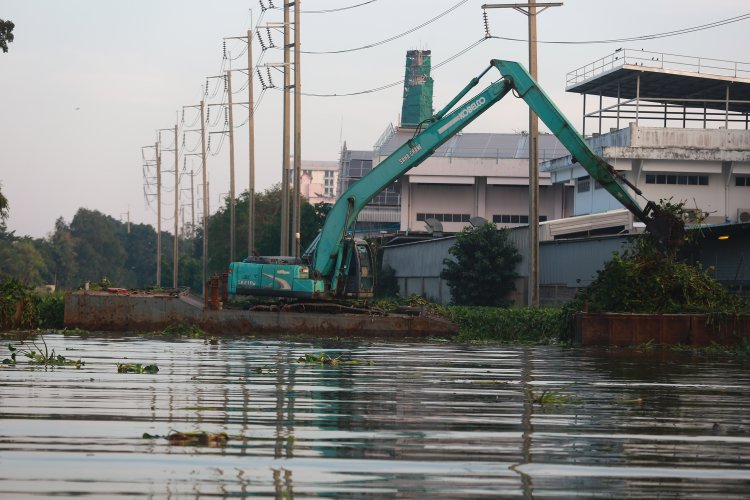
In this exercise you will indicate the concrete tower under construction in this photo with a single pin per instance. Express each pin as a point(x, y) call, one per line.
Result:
point(417, 105)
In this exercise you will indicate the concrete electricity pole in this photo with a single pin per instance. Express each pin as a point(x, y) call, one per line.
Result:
point(285, 143)
point(176, 258)
point(297, 131)
point(158, 215)
point(529, 9)
point(232, 219)
point(205, 199)
point(251, 148)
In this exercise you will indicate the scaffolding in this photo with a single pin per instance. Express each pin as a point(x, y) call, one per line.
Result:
point(417, 104)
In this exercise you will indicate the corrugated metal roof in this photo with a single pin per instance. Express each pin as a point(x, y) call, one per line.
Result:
point(483, 145)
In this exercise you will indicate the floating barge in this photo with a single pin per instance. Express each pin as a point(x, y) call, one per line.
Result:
point(627, 330)
point(147, 311)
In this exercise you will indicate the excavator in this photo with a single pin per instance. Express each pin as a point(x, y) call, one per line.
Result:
point(337, 265)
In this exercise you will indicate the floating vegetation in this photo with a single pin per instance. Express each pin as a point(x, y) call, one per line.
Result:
point(325, 359)
point(628, 401)
point(39, 355)
point(550, 398)
point(184, 330)
point(265, 369)
point(320, 359)
point(137, 368)
point(198, 438)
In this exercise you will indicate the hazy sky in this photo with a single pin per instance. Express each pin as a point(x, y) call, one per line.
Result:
point(87, 83)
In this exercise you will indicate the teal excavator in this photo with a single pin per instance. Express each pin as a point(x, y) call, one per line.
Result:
point(338, 265)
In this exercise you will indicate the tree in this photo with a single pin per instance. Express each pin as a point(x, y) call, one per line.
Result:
point(3, 207)
point(6, 34)
point(483, 271)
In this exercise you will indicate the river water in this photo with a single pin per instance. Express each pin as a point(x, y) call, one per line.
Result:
point(392, 419)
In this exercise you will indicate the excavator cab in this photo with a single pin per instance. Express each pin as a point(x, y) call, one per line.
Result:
point(360, 277)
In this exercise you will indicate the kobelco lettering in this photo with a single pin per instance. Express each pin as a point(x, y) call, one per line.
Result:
point(463, 114)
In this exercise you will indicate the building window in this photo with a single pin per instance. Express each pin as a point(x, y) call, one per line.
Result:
point(444, 217)
point(683, 180)
point(584, 184)
point(742, 180)
point(514, 219)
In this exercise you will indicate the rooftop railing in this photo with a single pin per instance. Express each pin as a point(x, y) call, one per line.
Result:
point(659, 60)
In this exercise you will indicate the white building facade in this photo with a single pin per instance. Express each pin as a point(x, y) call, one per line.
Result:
point(475, 175)
point(319, 181)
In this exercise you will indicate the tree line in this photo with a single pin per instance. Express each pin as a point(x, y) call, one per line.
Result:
point(94, 246)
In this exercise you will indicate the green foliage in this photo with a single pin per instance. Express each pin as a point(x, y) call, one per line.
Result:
point(95, 245)
point(3, 200)
point(50, 310)
point(386, 284)
point(16, 305)
point(184, 330)
point(484, 267)
point(325, 359)
point(39, 355)
point(320, 359)
point(550, 398)
point(6, 34)
point(137, 368)
point(648, 278)
point(267, 227)
point(492, 324)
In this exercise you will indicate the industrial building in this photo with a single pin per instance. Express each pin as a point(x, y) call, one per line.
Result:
point(472, 175)
point(676, 127)
point(684, 133)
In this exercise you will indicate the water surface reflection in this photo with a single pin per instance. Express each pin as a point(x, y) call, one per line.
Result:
point(400, 419)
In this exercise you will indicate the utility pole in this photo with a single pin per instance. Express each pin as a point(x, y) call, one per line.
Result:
point(285, 143)
point(232, 220)
point(158, 215)
point(530, 10)
point(205, 199)
point(176, 258)
point(297, 131)
point(251, 148)
point(192, 204)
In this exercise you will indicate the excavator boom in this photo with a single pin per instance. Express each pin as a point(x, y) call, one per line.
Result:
point(338, 261)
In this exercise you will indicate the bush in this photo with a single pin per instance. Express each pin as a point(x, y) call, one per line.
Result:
point(493, 324)
point(16, 298)
point(645, 279)
point(50, 310)
point(485, 267)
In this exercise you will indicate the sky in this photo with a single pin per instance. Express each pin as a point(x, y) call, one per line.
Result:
point(88, 83)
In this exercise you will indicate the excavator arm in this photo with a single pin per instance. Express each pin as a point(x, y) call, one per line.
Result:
point(336, 255)
point(439, 129)
point(442, 127)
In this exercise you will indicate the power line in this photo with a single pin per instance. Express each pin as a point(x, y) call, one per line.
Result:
point(390, 39)
point(327, 11)
point(654, 36)
point(394, 84)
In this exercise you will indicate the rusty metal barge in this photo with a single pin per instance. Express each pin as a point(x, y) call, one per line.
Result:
point(145, 311)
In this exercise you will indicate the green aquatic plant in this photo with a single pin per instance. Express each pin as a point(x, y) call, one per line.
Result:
point(320, 359)
point(39, 354)
point(137, 368)
point(325, 359)
point(548, 397)
point(184, 330)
